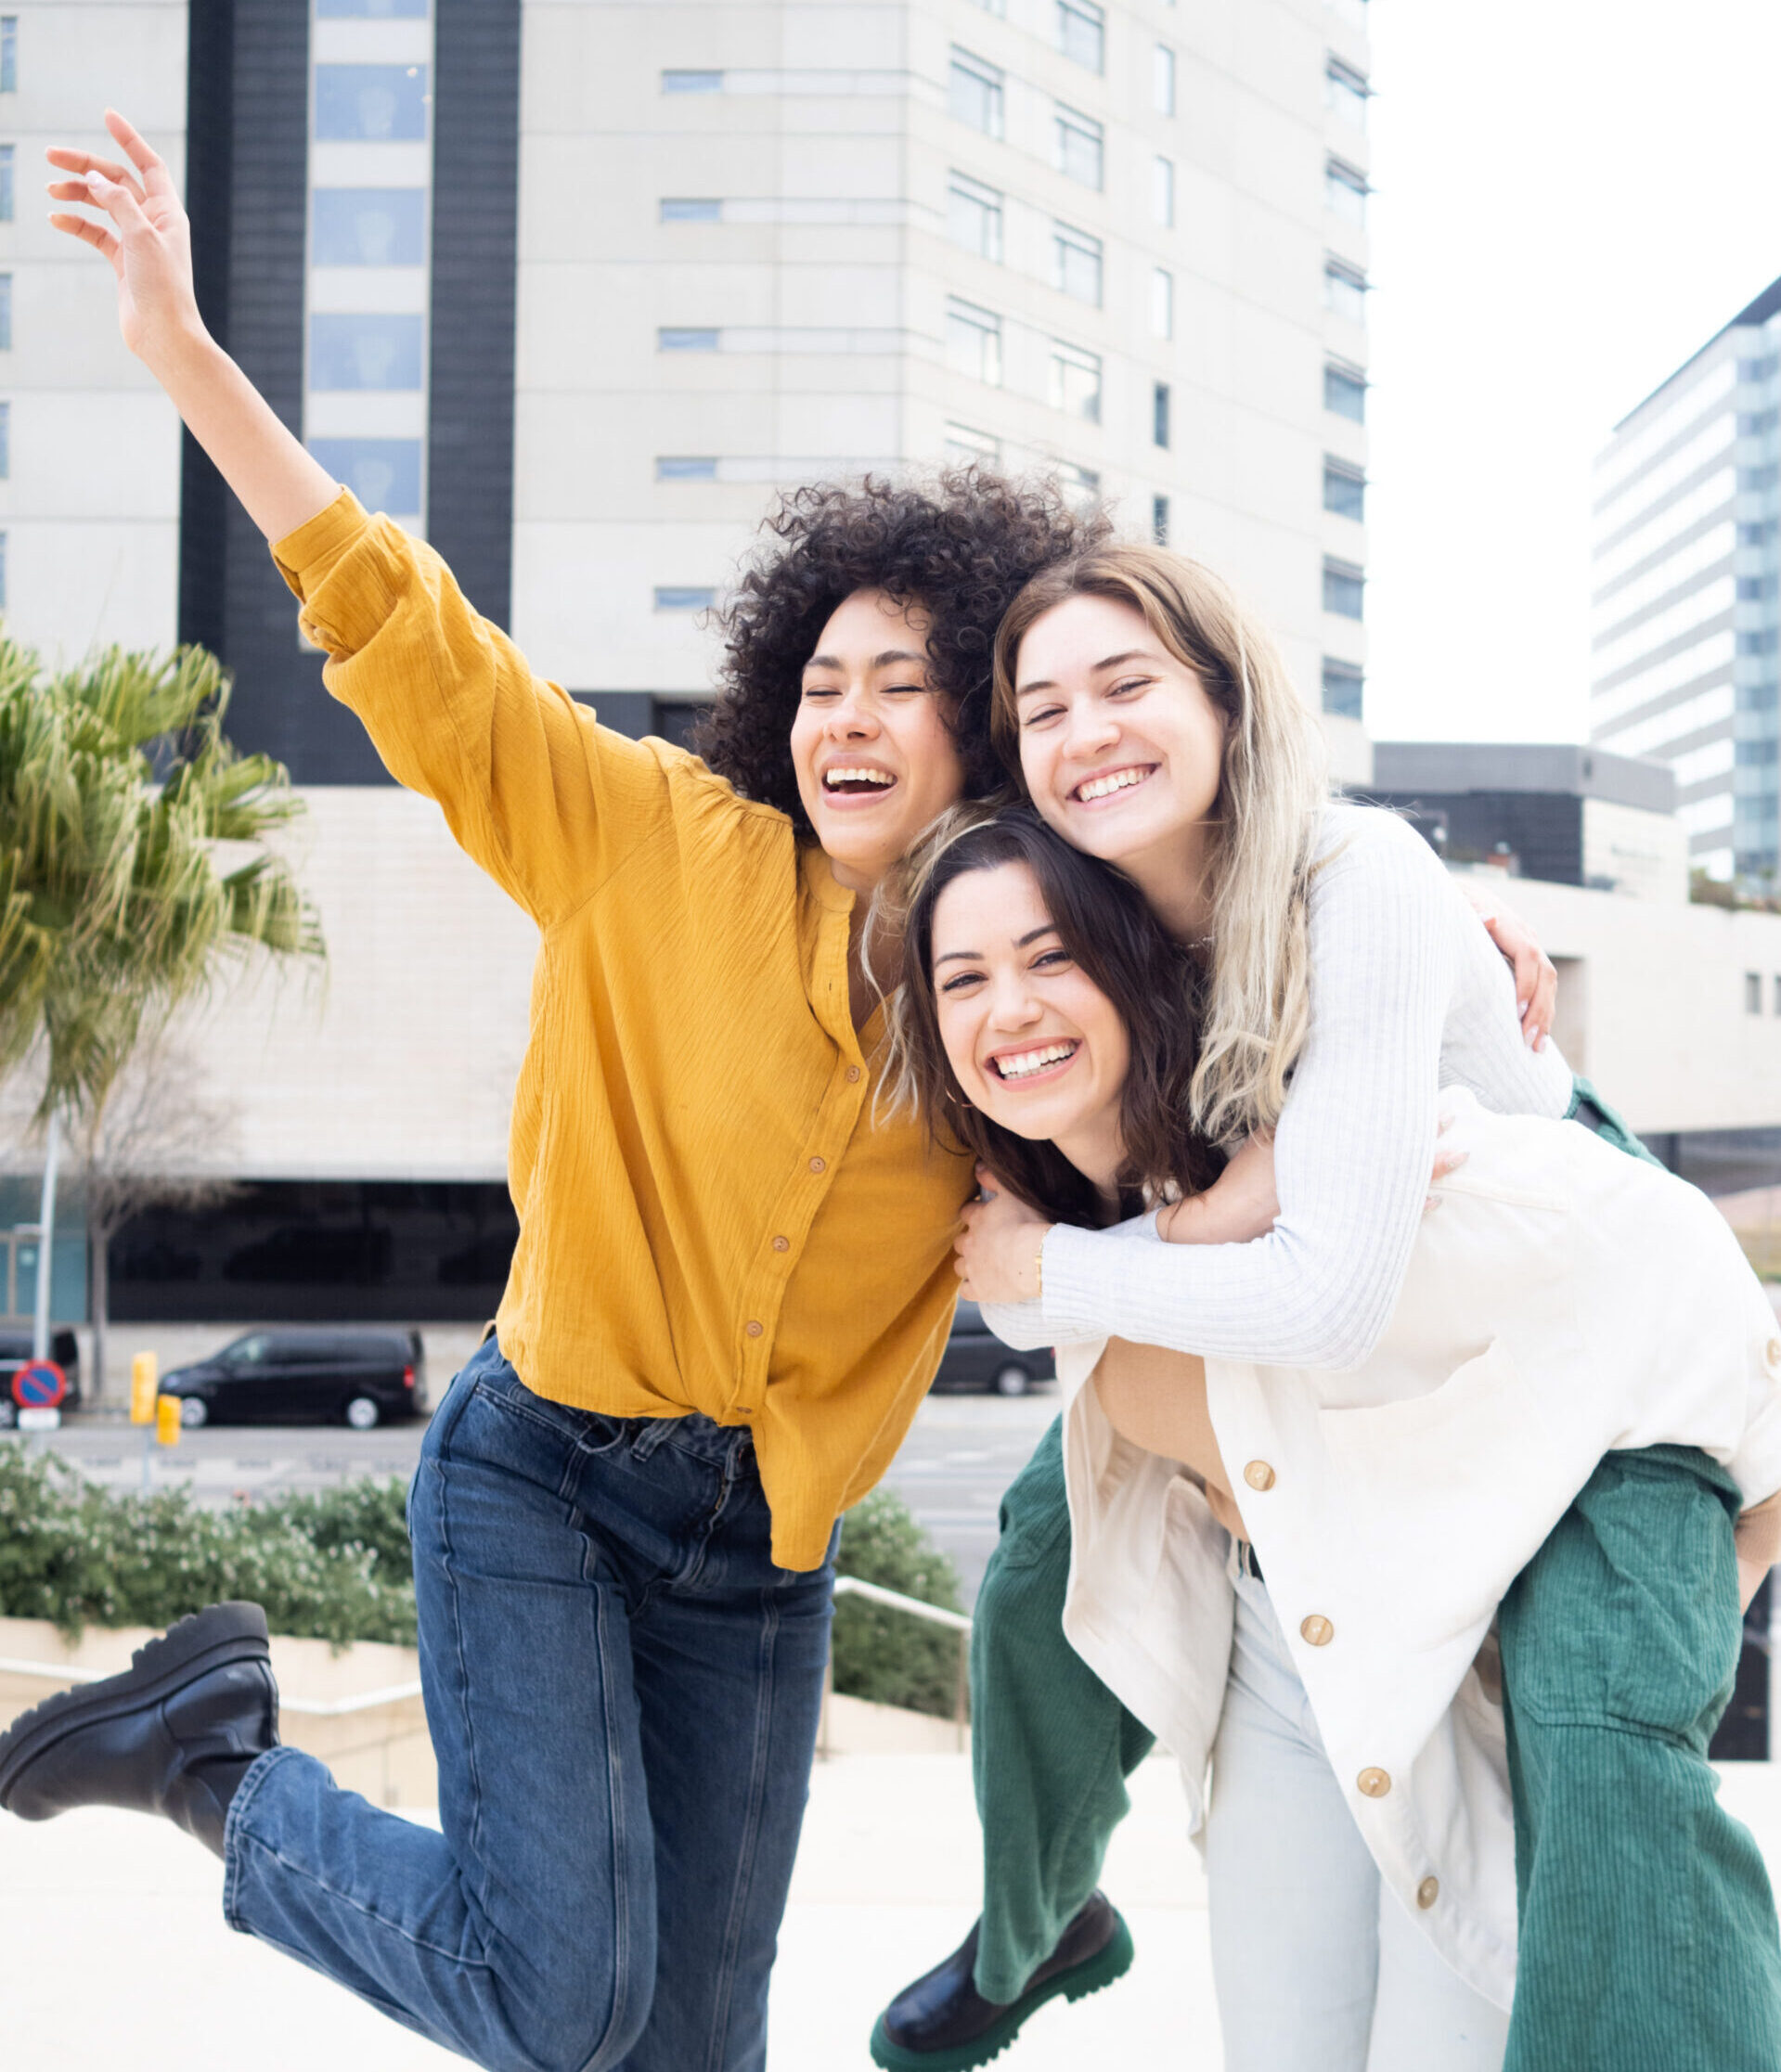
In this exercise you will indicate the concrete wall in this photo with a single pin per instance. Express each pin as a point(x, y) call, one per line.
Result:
point(90, 509)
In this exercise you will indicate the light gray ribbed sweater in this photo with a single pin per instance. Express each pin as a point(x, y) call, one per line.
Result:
point(1408, 995)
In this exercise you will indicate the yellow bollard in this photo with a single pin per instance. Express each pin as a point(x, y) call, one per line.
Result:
point(167, 1420)
point(144, 1386)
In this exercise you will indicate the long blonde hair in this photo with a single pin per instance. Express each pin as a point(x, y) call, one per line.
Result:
point(1265, 821)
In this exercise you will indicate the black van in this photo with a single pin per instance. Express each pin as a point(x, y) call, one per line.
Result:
point(361, 1378)
point(977, 1360)
point(15, 1353)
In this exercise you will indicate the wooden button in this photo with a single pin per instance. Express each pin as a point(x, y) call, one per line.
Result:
point(781, 1244)
point(1428, 1892)
point(1373, 1783)
point(1317, 1630)
point(755, 1327)
point(819, 1164)
point(1259, 1476)
point(853, 1074)
point(1771, 1352)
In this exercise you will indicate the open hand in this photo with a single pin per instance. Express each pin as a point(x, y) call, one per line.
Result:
point(141, 229)
point(1536, 977)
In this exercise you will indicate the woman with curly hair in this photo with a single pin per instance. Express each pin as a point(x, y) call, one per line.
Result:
point(732, 1287)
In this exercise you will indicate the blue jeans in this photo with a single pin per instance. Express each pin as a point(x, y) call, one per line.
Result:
point(622, 1694)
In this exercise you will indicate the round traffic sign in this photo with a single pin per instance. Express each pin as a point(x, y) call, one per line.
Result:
point(40, 1384)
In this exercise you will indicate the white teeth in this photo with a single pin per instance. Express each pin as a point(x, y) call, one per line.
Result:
point(858, 776)
point(1025, 1061)
point(1116, 780)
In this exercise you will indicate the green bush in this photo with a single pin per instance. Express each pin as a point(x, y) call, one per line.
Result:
point(331, 1567)
point(335, 1566)
point(880, 1652)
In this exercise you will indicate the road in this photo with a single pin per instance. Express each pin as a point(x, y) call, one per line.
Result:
point(960, 1454)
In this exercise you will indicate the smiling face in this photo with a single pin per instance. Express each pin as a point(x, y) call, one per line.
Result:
point(1033, 1042)
point(1121, 747)
point(871, 744)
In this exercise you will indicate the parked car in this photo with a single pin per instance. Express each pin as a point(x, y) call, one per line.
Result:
point(15, 1353)
point(361, 1378)
point(977, 1360)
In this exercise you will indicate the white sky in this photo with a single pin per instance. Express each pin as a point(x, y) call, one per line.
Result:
point(1573, 197)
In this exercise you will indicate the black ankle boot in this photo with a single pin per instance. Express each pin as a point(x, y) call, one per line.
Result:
point(173, 1735)
point(942, 2023)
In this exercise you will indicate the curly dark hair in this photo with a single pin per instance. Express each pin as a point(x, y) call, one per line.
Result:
point(961, 546)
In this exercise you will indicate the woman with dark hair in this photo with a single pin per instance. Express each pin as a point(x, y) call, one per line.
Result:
point(1566, 1303)
point(730, 1290)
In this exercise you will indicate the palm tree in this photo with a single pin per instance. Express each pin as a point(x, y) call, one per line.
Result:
point(134, 867)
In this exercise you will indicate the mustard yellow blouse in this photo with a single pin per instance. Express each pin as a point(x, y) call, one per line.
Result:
point(710, 1220)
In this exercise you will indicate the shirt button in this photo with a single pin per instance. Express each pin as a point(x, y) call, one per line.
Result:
point(781, 1244)
point(1318, 1630)
point(1771, 1352)
point(819, 1164)
point(1373, 1783)
point(1428, 1892)
point(755, 1327)
point(1259, 1476)
point(853, 1074)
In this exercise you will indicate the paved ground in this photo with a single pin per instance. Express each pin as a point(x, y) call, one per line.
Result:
point(962, 1453)
point(118, 1955)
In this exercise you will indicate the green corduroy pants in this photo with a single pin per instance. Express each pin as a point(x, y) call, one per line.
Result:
point(1648, 1936)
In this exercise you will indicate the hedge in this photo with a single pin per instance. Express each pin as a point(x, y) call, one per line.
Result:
point(335, 1566)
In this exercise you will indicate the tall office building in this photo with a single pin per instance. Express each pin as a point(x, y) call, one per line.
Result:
point(573, 287)
point(1685, 574)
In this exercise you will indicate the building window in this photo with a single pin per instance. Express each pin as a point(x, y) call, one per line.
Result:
point(1758, 370)
point(1076, 264)
point(973, 216)
point(5, 441)
point(1343, 686)
point(967, 448)
point(1778, 993)
point(361, 351)
point(6, 183)
point(1076, 381)
point(1159, 519)
point(1344, 391)
point(1345, 92)
point(1752, 589)
point(1752, 992)
point(1162, 80)
point(678, 338)
point(1345, 290)
point(690, 209)
point(372, 104)
point(1162, 192)
point(973, 92)
point(8, 54)
point(1078, 147)
point(677, 596)
point(1753, 481)
point(974, 342)
point(1345, 489)
point(1160, 425)
point(1343, 586)
point(692, 83)
point(6, 312)
point(1162, 302)
point(1762, 534)
point(1081, 486)
point(1082, 33)
point(1345, 192)
point(384, 474)
point(1753, 424)
point(686, 467)
point(368, 227)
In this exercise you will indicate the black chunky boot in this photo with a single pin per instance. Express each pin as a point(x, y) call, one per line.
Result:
point(942, 2023)
point(175, 1733)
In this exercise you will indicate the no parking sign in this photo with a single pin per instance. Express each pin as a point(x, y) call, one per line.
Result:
point(39, 1389)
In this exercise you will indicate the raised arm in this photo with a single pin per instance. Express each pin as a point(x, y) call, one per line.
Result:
point(142, 229)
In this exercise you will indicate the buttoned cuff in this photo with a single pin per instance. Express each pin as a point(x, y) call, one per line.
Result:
point(343, 569)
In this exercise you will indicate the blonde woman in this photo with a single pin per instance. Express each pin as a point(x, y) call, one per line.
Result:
point(1152, 724)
